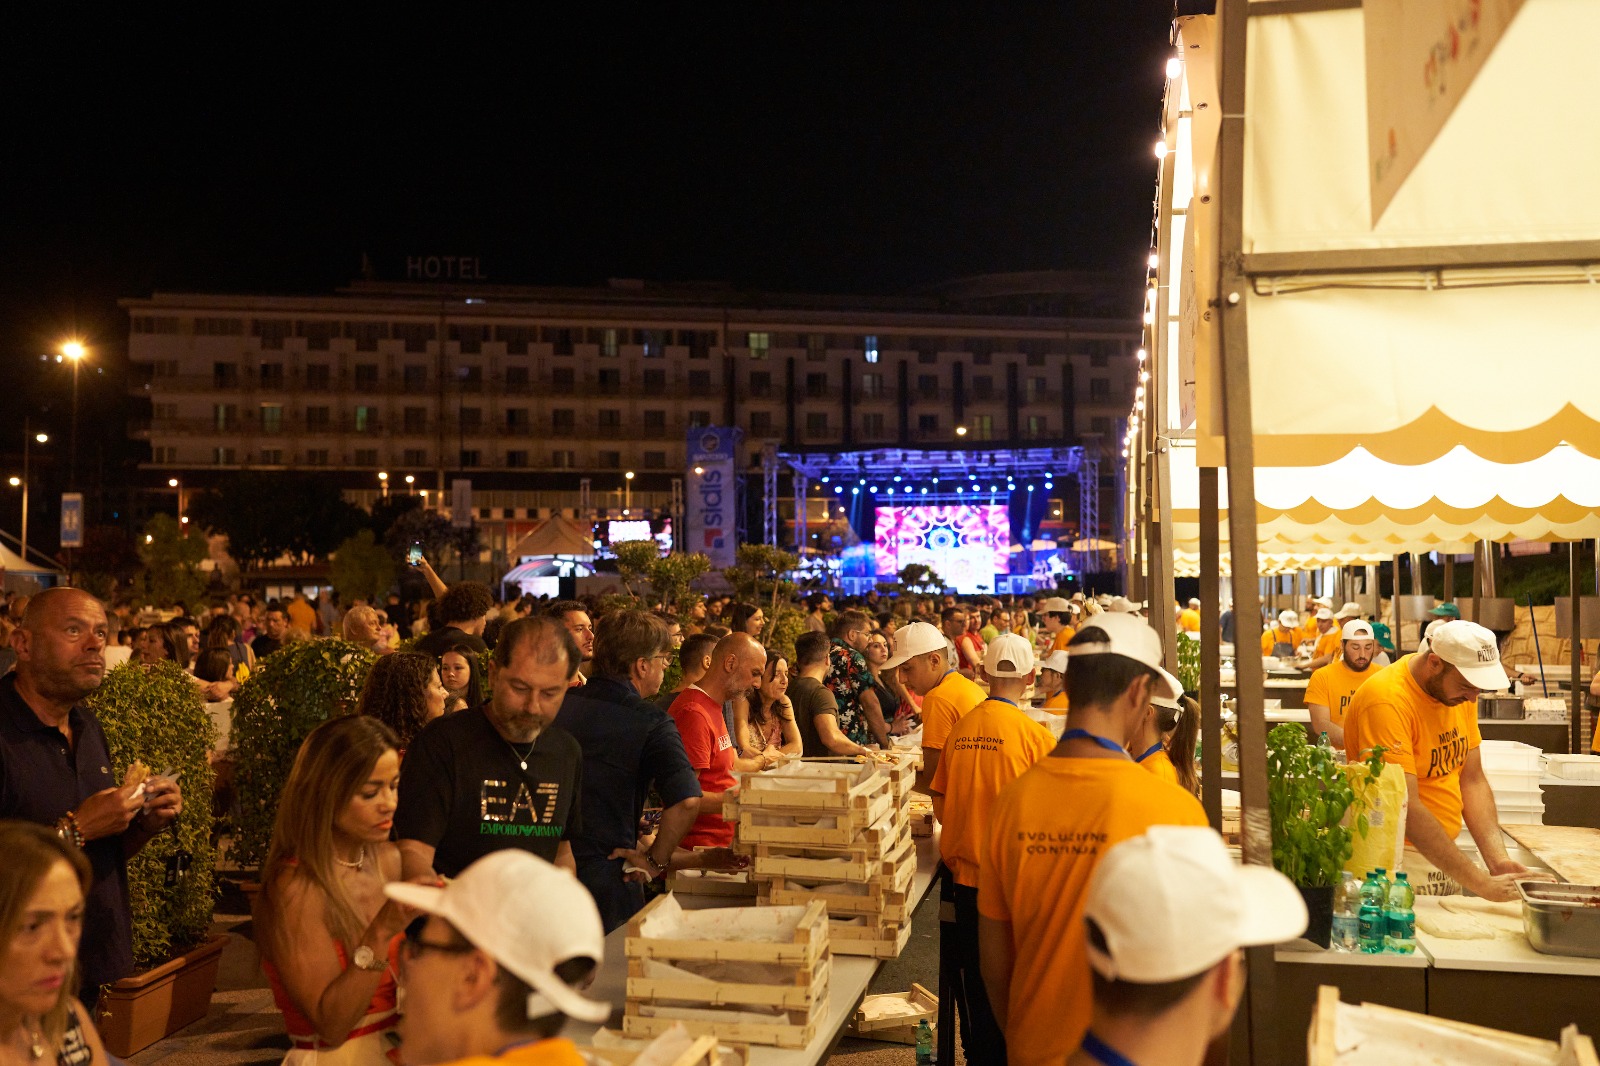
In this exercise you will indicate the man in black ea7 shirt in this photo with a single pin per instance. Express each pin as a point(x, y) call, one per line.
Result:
point(504, 776)
point(55, 770)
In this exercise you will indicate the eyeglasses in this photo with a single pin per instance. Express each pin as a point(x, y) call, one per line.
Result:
point(415, 945)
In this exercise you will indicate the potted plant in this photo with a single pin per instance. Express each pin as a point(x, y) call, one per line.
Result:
point(1309, 795)
point(156, 715)
point(294, 690)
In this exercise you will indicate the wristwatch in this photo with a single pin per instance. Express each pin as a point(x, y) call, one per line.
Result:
point(369, 960)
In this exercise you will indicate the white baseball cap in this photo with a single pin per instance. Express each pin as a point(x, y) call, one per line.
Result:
point(1131, 637)
point(1054, 605)
point(1324, 614)
point(1472, 649)
point(1356, 629)
point(1122, 605)
point(1323, 601)
point(1350, 609)
point(1422, 645)
point(914, 639)
point(1288, 619)
point(1193, 602)
point(528, 916)
point(1008, 655)
point(1142, 901)
point(1056, 660)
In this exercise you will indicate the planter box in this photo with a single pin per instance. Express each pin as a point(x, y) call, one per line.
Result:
point(137, 1011)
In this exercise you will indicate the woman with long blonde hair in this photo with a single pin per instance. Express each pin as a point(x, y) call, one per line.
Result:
point(42, 887)
point(326, 933)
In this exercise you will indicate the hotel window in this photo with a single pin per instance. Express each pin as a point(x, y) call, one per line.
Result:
point(225, 416)
point(271, 456)
point(470, 377)
point(516, 458)
point(559, 339)
point(317, 418)
point(516, 338)
point(222, 456)
point(166, 455)
point(983, 427)
point(272, 418)
point(655, 380)
point(816, 347)
point(471, 419)
point(517, 378)
point(416, 335)
point(366, 334)
point(271, 376)
point(317, 457)
point(759, 344)
point(318, 376)
point(225, 375)
point(415, 420)
point(610, 381)
point(517, 420)
point(1100, 425)
point(761, 423)
point(699, 379)
point(563, 420)
point(366, 377)
point(1034, 390)
point(655, 460)
point(469, 457)
point(610, 419)
point(927, 423)
point(415, 456)
point(982, 386)
point(816, 385)
point(655, 422)
point(1099, 390)
point(928, 386)
point(872, 424)
point(609, 460)
point(609, 342)
point(699, 419)
point(871, 384)
point(869, 348)
point(562, 379)
point(416, 378)
point(366, 456)
point(1038, 426)
point(563, 459)
point(817, 423)
point(653, 342)
point(760, 383)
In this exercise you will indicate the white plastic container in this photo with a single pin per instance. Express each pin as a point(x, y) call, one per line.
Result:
point(1509, 755)
point(1522, 816)
point(1513, 780)
point(1519, 797)
point(1574, 767)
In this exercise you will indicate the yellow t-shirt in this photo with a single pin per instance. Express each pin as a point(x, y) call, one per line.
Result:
point(1329, 643)
point(1063, 638)
point(1278, 635)
point(1334, 685)
point(1047, 832)
point(556, 1051)
point(1189, 620)
point(1056, 704)
point(987, 750)
point(945, 705)
point(1421, 735)
point(1160, 764)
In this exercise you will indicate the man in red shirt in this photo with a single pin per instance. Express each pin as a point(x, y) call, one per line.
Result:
point(737, 663)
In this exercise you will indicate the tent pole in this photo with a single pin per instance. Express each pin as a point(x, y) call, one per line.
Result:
point(1230, 304)
point(1575, 594)
point(1449, 579)
point(1210, 649)
point(1399, 646)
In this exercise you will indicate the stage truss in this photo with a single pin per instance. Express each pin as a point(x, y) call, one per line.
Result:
point(931, 477)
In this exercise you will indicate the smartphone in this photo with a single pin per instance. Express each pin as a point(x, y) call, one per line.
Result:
point(414, 554)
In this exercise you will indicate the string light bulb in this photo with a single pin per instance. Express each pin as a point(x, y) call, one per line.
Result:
point(1174, 67)
point(1142, 355)
point(1161, 149)
point(1155, 260)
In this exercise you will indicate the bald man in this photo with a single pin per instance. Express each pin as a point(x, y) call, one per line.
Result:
point(736, 666)
point(55, 769)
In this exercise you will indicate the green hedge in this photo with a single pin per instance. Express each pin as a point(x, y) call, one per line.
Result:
point(158, 716)
point(291, 692)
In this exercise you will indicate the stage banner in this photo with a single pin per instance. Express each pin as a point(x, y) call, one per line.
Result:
point(1422, 56)
point(712, 496)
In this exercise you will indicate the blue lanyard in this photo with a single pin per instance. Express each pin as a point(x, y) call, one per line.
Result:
point(1151, 750)
point(1099, 1051)
point(1084, 734)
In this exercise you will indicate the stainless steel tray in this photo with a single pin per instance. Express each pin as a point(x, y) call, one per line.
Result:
point(1508, 708)
point(1561, 919)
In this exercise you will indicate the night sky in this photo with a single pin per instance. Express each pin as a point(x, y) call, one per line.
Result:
point(857, 147)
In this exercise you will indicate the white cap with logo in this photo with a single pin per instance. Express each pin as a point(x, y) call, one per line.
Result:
point(1008, 655)
point(1357, 629)
point(1142, 900)
point(1324, 614)
point(529, 917)
point(1350, 609)
point(1054, 605)
point(1288, 619)
point(1056, 660)
point(1131, 637)
point(1472, 649)
point(914, 639)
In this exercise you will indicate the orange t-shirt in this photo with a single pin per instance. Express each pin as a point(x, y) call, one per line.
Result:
point(945, 705)
point(987, 750)
point(1334, 686)
point(1060, 641)
point(1329, 643)
point(1189, 620)
point(1160, 764)
point(1056, 704)
point(1278, 635)
point(1047, 832)
point(1422, 736)
point(556, 1051)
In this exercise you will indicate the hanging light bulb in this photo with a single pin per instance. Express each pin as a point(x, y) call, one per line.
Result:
point(1174, 67)
point(1161, 149)
point(1139, 392)
point(1155, 260)
point(1144, 375)
point(1141, 355)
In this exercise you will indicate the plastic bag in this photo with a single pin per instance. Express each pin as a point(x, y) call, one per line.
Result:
point(1384, 803)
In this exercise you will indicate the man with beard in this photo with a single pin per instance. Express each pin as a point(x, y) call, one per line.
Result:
point(1330, 689)
point(737, 663)
point(501, 777)
point(1423, 711)
point(55, 770)
point(575, 616)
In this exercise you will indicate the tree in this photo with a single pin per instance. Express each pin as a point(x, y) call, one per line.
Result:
point(265, 514)
point(363, 569)
point(108, 558)
point(433, 532)
point(634, 560)
point(672, 575)
point(172, 554)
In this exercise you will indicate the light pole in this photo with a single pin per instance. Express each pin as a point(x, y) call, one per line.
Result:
point(28, 438)
point(627, 492)
point(383, 479)
point(174, 483)
point(410, 482)
point(74, 351)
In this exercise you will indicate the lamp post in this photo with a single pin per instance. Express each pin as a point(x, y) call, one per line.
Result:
point(74, 351)
point(383, 479)
point(627, 492)
point(28, 438)
point(410, 481)
point(176, 485)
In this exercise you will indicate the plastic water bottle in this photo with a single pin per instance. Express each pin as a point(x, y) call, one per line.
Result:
point(1347, 914)
point(1400, 918)
point(924, 1043)
point(1327, 745)
point(1371, 923)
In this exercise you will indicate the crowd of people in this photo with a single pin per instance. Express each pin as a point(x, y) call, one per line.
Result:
point(539, 743)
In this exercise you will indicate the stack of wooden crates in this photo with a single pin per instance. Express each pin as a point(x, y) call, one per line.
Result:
point(835, 830)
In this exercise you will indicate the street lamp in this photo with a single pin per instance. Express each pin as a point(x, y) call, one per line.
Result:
point(383, 479)
point(75, 351)
point(961, 431)
point(410, 481)
point(627, 492)
point(28, 438)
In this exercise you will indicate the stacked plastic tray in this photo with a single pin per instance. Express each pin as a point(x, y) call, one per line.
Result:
point(1514, 771)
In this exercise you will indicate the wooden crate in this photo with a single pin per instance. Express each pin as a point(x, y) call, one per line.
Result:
point(806, 944)
point(874, 937)
point(702, 1051)
point(807, 989)
point(892, 1017)
point(711, 883)
point(1322, 1049)
point(815, 785)
point(795, 1032)
point(778, 825)
point(919, 812)
point(874, 861)
point(890, 899)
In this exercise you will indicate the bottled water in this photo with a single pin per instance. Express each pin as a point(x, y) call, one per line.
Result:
point(924, 1043)
point(1372, 926)
point(1347, 914)
point(1400, 919)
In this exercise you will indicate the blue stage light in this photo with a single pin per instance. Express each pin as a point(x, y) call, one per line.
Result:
point(824, 479)
point(873, 489)
point(838, 488)
point(897, 479)
point(855, 490)
point(891, 490)
point(958, 490)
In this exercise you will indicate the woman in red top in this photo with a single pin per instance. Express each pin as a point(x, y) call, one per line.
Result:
point(324, 928)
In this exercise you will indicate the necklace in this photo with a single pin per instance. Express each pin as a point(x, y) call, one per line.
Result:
point(359, 864)
point(522, 760)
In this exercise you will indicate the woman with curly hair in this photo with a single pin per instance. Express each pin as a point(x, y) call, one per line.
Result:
point(403, 692)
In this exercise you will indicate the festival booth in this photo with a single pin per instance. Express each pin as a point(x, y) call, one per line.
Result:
point(1371, 328)
point(559, 548)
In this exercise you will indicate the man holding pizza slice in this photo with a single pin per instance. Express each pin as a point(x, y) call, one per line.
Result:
point(55, 769)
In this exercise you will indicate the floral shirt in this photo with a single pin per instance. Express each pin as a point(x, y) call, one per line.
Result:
point(848, 677)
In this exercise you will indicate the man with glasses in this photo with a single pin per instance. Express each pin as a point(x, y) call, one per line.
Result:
point(628, 742)
point(1423, 711)
point(489, 979)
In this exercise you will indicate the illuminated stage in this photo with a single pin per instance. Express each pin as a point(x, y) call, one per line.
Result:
point(975, 516)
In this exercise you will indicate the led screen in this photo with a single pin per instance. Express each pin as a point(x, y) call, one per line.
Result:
point(966, 545)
